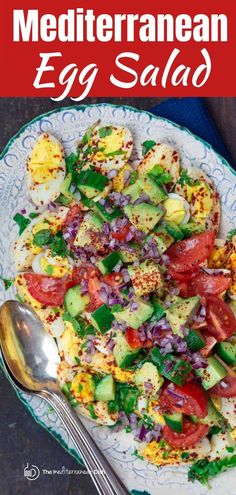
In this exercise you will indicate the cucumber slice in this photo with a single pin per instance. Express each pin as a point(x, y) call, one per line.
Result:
point(227, 351)
point(102, 318)
point(105, 389)
point(124, 354)
point(194, 340)
point(159, 310)
point(107, 264)
point(75, 302)
point(171, 367)
point(107, 217)
point(211, 375)
point(174, 421)
point(174, 231)
point(91, 183)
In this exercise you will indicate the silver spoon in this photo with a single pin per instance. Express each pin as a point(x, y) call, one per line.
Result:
point(31, 356)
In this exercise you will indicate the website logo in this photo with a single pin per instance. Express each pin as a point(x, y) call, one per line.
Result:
point(32, 472)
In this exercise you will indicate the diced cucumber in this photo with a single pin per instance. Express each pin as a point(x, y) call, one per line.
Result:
point(155, 192)
point(107, 264)
point(91, 183)
point(143, 216)
point(65, 187)
point(104, 214)
point(174, 421)
point(105, 389)
point(171, 367)
point(75, 302)
point(159, 310)
point(227, 351)
point(174, 230)
point(194, 340)
point(135, 317)
point(148, 379)
point(211, 375)
point(124, 354)
point(101, 318)
point(192, 228)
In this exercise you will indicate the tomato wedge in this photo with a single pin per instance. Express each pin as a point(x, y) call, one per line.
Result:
point(204, 284)
point(192, 433)
point(220, 318)
point(134, 341)
point(113, 279)
point(47, 290)
point(183, 277)
point(82, 272)
point(191, 398)
point(210, 342)
point(133, 338)
point(122, 234)
point(73, 214)
point(94, 287)
point(189, 253)
point(225, 388)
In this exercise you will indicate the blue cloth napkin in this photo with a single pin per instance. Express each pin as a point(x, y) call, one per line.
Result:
point(193, 114)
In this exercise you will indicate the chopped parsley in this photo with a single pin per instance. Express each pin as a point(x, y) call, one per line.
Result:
point(204, 470)
point(147, 145)
point(136, 453)
point(7, 282)
point(55, 242)
point(33, 215)
point(76, 326)
point(231, 234)
point(92, 411)
point(105, 131)
point(49, 269)
point(185, 456)
point(125, 399)
point(133, 177)
point(116, 308)
point(115, 153)
point(163, 178)
point(21, 221)
point(184, 178)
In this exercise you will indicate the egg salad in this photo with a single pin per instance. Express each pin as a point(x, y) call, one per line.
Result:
point(123, 263)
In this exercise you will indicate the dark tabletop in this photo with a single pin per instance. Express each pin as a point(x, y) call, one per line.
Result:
point(22, 440)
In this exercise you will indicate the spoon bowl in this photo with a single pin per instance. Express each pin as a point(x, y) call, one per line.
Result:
point(30, 352)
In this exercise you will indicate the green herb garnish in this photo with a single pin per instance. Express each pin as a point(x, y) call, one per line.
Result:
point(204, 470)
point(21, 221)
point(105, 131)
point(147, 145)
point(92, 411)
point(184, 178)
point(115, 153)
point(76, 326)
point(33, 214)
point(55, 242)
point(163, 178)
point(231, 234)
point(7, 282)
point(185, 456)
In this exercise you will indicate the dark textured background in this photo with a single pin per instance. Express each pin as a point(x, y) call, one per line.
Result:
point(22, 440)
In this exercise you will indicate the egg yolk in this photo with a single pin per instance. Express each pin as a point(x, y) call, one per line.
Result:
point(82, 387)
point(175, 211)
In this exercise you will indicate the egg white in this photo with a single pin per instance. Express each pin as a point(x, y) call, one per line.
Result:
point(165, 156)
point(42, 193)
point(23, 256)
point(115, 162)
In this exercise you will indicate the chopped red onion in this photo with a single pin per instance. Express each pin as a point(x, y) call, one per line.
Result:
point(144, 198)
point(165, 259)
point(23, 212)
point(223, 384)
point(133, 306)
point(111, 174)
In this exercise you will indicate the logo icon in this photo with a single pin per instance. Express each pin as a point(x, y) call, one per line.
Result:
point(31, 473)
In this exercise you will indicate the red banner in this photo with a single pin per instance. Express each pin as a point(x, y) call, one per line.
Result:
point(92, 48)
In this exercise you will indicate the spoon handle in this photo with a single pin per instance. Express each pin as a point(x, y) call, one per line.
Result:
point(104, 477)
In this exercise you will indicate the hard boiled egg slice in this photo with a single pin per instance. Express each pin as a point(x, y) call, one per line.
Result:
point(45, 170)
point(109, 147)
point(54, 266)
point(164, 156)
point(177, 209)
point(24, 250)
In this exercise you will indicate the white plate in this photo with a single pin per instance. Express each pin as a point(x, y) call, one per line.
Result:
point(68, 124)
